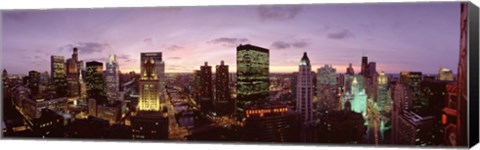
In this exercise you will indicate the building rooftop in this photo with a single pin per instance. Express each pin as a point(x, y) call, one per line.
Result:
point(252, 47)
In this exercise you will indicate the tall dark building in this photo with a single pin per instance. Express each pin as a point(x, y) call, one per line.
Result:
point(364, 69)
point(73, 72)
point(462, 76)
point(412, 80)
point(350, 70)
point(206, 88)
point(34, 82)
point(95, 82)
point(252, 76)
point(223, 104)
point(272, 123)
point(6, 90)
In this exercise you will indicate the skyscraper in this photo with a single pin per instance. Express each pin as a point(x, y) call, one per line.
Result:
point(73, 74)
point(327, 89)
point(112, 78)
point(364, 69)
point(412, 80)
point(149, 99)
point(305, 90)
point(150, 122)
point(34, 82)
point(159, 66)
point(252, 76)
point(383, 94)
point(95, 82)
point(58, 74)
point(206, 86)
point(223, 105)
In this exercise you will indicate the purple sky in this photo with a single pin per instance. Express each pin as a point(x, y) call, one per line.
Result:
point(398, 37)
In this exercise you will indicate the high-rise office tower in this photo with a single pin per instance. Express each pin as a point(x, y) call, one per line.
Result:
point(73, 74)
point(159, 66)
point(149, 99)
point(401, 102)
point(112, 79)
point(252, 76)
point(445, 74)
point(223, 105)
point(58, 74)
point(95, 82)
point(382, 87)
point(206, 86)
point(412, 80)
point(150, 122)
point(364, 69)
point(305, 90)
point(327, 89)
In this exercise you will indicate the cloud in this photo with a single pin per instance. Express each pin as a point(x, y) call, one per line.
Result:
point(174, 58)
point(344, 34)
point(148, 41)
point(125, 58)
point(287, 44)
point(280, 45)
point(174, 47)
point(278, 13)
point(228, 42)
point(87, 47)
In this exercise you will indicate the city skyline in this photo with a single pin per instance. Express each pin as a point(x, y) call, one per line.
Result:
point(386, 33)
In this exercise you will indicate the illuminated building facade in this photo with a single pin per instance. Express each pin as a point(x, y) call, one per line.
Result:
point(206, 88)
point(356, 96)
point(305, 90)
point(272, 123)
point(412, 80)
point(159, 66)
point(445, 74)
point(384, 100)
point(223, 103)
point(73, 71)
point(149, 98)
point(58, 74)
point(252, 76)
point(112, 79)
point(327, 89)
point(95, 82)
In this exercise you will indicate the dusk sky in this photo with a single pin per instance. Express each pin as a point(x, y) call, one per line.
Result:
point(397, 36)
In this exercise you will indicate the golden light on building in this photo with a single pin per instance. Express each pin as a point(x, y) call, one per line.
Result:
point(149, 96)
point(265, 111)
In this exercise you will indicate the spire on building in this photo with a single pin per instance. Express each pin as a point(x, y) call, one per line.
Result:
point(305, 61)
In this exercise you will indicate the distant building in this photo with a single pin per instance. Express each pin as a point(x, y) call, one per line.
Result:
point(445, 74)
point(384, 100)
point(350, 70)
point(223, 103)
point(95, 82)
point(73, 72)
point(252, 76)
point(206, 88)
point(34, 82)
point(412, 80)
point(58, 75)
point(112, 79)
point(305, 90)
point(327, 89)
point(272, 123)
